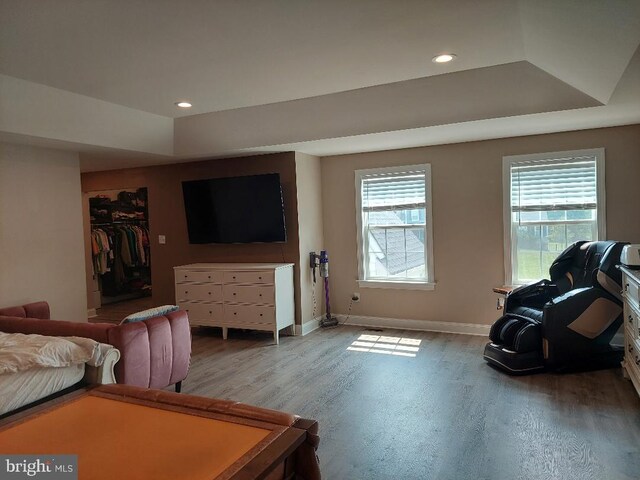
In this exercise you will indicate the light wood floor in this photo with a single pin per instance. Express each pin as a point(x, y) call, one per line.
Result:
point(443, 414)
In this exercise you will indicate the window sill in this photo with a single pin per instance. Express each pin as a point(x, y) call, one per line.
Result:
point(396, 285)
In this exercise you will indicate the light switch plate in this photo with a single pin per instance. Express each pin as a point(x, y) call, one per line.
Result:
point(162, 239)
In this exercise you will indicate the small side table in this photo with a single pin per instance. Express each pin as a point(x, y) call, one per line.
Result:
point(502, 292)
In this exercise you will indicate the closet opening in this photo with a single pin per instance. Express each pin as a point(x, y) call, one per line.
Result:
point(120, 248)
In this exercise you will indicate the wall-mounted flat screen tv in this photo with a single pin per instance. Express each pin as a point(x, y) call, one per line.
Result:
point(235, 209)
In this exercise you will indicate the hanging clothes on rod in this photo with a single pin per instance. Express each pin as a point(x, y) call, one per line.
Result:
point(102, 250)
point(133, 243)
point(115, 247)
point(120, 244)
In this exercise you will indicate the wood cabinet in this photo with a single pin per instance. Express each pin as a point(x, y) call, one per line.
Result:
point(630, 292)
point(255, 296)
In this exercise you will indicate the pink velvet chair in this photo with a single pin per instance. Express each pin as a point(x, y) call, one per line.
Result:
point(154, 353)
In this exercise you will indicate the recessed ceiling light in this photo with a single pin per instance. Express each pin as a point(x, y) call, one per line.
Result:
point(183, 104)
point(444, 58)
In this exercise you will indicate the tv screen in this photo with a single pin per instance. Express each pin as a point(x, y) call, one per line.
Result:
point(235, 209)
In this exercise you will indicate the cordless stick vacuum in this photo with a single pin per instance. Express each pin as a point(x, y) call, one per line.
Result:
point(322, 261)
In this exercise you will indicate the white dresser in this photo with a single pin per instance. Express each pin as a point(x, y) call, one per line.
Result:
point(256, 296)
point(631, 294)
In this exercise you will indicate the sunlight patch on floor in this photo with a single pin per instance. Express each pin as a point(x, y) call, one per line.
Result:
point(398, 346)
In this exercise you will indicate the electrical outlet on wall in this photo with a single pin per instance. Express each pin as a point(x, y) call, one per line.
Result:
point(355, 297)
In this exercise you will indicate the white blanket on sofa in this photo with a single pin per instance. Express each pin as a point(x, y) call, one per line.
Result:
point(19, 352)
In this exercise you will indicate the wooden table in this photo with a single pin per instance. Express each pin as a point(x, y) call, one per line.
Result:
point(503, 292)
point(125, 432)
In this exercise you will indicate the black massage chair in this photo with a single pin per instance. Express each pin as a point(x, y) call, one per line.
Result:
point(566, 323)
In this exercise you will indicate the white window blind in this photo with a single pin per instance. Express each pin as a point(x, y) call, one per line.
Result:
point(393, 191)
point(562, 184)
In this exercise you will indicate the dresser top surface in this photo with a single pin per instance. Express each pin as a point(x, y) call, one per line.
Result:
point(633, 273)
point(233, 266)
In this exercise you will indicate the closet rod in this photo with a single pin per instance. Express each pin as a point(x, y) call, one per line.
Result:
point(123, 222)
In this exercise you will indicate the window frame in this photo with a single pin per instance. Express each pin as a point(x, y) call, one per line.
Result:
point(419, 284)
point(598, 153)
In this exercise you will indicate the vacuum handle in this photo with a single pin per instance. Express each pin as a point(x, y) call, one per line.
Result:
point(324, 264)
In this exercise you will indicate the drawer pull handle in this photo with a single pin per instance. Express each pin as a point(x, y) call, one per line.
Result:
point(210, 311)
point(234, 278)
point(630, 319)
point(209, 276)
point(235, 313)
point(259, 278)
point(260, 294)
point(260, 314)
point(234, 293)
point(630, 348)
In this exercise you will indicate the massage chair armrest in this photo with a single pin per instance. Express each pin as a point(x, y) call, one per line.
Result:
point(534, 295)
point(563, 310)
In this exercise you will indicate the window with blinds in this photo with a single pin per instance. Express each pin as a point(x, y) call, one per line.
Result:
point(554, 201)
point(394, 224)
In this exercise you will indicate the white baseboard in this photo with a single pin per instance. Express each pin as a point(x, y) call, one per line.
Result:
point(407, 324)
point(308, 327)
point(91, 313)
point(424, 325)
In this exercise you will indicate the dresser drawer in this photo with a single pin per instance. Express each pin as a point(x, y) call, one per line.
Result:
point(629, 352)
point(248, 277)
point(632, 354)
point(198, 292)
point(203, 313)
point(198, 276)
point(248, 294)
point(248, 314)
point(631, 292)
point(632, 320)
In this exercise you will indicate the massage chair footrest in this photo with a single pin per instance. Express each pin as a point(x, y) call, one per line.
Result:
point(513, 363)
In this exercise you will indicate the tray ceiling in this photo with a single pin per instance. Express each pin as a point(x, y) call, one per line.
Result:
point(308, 61)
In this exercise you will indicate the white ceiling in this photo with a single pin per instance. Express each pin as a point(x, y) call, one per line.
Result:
point(239, 56)
point(221, 55)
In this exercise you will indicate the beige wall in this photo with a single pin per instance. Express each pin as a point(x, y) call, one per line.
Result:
point(310, 232)
point(467, 217)
point(41, 237)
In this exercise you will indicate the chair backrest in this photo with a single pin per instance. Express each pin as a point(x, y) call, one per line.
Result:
point(30, 310)
point(609, 276)
point(588, 264)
